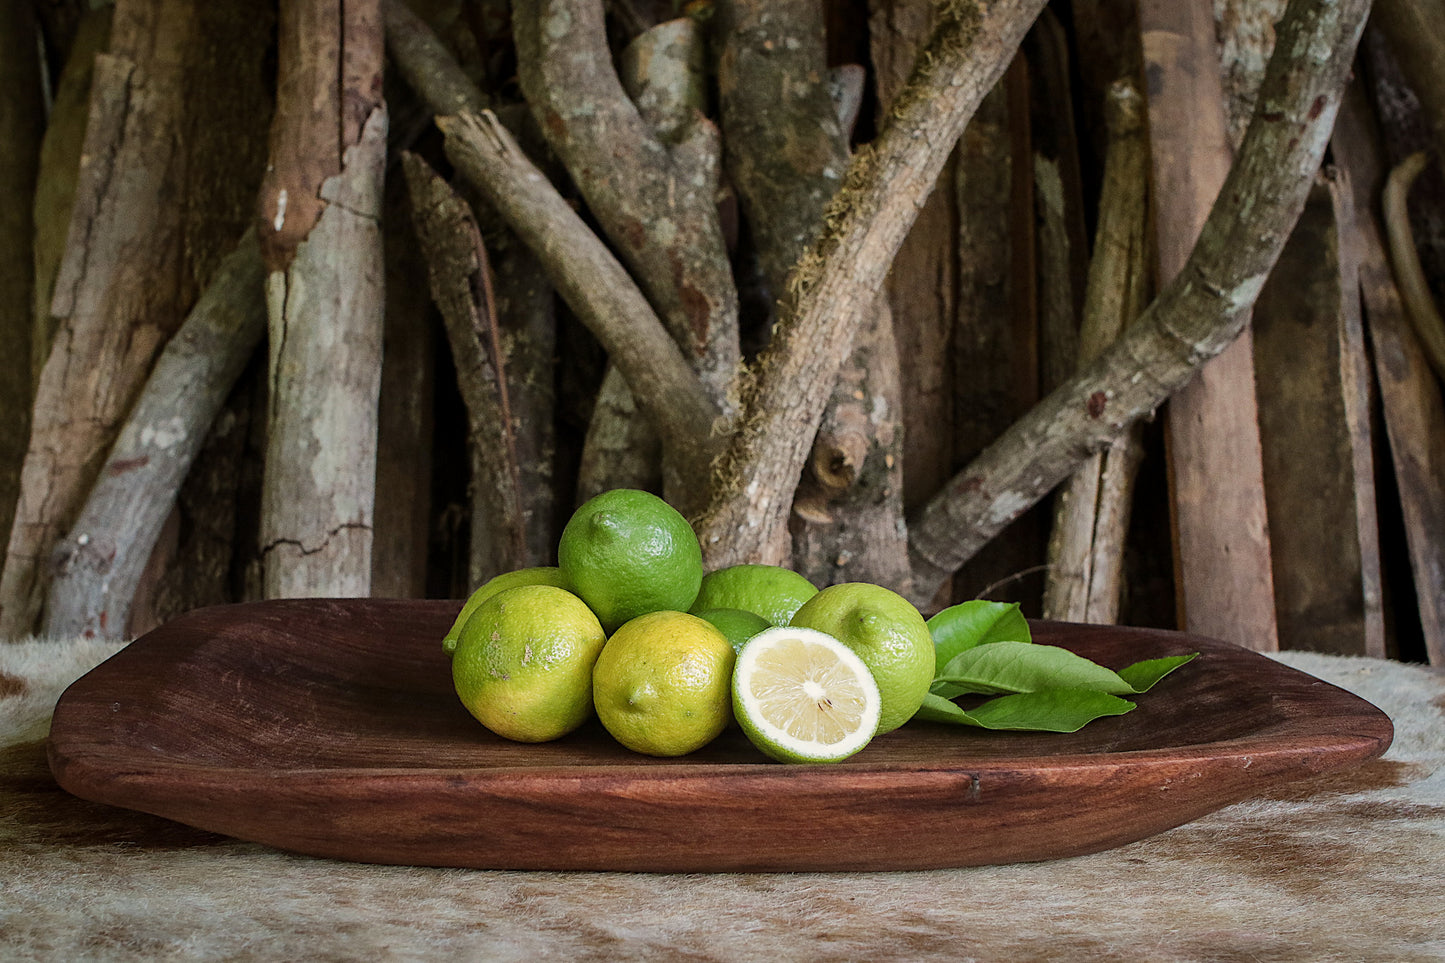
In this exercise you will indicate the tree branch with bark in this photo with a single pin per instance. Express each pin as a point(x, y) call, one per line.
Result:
point(834, 286)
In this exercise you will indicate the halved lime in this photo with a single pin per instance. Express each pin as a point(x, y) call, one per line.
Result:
point(803, 696)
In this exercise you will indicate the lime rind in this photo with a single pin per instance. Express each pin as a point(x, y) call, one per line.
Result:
point(534, 575)
point(800, 695)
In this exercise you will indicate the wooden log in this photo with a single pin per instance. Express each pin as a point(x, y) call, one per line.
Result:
point(98, 565)
point(524, 297)
point(836, 283)
point(788, 148)
point(22, 122)
point(60, 154)
point(1223, 577)
point(1245, 30)
point(228, 98)
point(653, 191)
point(405, 418)
point(593, 283)
point(526, 306)
point(320, 220)
point(663, 72)
point(1106, 47)
point(461, 286)
point(1086, 545)
point(922, 283)
point(995, 350)
point(1410, 398)
point(1194, 318)
point(1315, 434)
point(120, 292)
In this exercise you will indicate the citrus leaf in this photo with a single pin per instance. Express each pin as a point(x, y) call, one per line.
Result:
point(1144, 675)
point(961, 627)
point(1050, 710)
point(936, 708)
point(1000, 668)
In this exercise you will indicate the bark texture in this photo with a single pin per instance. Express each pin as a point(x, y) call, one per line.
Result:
point(922, 280)
point(320, 234)
point(120, 293)
point(654, 191)
point(1416, 30)
point(524, 296)
point(59, 172)
point(994, 350)
point(663, 72)
point(1195, 317)
point(98, 566)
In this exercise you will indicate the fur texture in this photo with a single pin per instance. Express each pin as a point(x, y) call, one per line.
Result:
point(1346, 867)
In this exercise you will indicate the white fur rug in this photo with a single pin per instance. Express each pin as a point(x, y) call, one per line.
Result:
point(1343, 868)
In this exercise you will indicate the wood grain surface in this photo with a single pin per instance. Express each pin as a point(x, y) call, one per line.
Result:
point(329, 727)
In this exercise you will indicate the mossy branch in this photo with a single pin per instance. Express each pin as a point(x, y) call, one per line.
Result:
point(834, 286)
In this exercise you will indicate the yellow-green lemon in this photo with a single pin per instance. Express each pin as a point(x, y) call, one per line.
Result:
point(887, 633)
point(662, 684)
point(523, 663)
point(626, 553)
point(537, 575)
point(771, 591)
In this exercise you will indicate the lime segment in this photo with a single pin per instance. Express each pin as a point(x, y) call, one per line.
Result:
point(802, 696)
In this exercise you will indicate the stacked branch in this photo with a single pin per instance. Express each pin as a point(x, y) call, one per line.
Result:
point(120, 292)
point(787, 149)
point(320, 235)
point(833, 289)
point(461, 282)
point(1194, 318)
point(1086, 546)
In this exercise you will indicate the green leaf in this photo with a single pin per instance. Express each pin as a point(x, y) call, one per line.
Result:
point(1050, 710)
point(1143, 675)
point(959, 628)
point(936, 708)
point(1012, 667)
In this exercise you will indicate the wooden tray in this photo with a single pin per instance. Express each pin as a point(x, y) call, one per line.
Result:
point(331, 728)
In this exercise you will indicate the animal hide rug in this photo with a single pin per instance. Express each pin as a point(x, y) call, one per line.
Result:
point(1343, 867)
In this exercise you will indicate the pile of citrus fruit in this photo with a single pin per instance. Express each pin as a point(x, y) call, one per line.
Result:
point(628, 626)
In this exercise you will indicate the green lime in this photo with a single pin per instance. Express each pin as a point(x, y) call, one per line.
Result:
point(738, 626)
point(802, 696)
point(523, 664)
point(627, 552)
point(771, 591)
point(539, 575)
point(887, 633)
point(662, 684)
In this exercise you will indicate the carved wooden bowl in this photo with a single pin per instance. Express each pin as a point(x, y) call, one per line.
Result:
point(330, 727)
